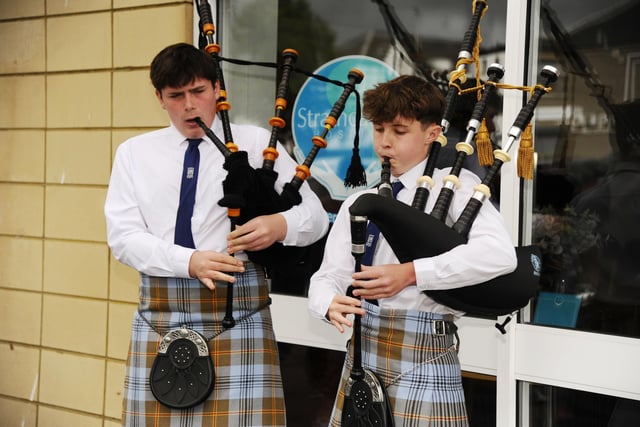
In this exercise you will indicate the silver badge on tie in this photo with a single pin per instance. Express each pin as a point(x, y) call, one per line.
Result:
point(369, 240)
point(190, 172)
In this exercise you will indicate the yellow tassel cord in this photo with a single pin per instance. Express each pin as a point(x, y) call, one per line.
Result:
point(525, 154)
point(483, 145)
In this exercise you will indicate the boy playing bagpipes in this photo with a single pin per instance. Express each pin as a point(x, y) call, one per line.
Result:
point(408, 339)
point(185, 366)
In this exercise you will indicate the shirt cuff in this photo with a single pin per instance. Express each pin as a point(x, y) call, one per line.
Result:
point(291, 238)
point(180, 258)
point(424, 268)
point(319, 309)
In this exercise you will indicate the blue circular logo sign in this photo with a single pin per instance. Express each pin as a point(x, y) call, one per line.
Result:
point(311, 108)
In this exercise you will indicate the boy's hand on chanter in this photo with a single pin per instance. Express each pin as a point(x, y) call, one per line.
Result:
point(209, 266)
point(340, 307)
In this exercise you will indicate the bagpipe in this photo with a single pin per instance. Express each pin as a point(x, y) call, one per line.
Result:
point(250, 192)
point(396, 220)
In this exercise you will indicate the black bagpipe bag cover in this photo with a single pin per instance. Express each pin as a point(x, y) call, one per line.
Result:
point(413, 234)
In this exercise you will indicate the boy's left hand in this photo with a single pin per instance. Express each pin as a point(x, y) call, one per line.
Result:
point(383, 281)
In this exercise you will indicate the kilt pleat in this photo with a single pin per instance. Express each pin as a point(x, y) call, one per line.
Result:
point(420, 370)
point(248, 386)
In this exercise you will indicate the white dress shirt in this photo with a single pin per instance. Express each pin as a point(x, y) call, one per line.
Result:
point(143, 196)
point(488, 253)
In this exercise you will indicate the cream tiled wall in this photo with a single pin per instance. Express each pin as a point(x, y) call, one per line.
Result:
point(74, 83)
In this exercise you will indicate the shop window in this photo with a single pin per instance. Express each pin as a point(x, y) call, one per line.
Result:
point(587, 197)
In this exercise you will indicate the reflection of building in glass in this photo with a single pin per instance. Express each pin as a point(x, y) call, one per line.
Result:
point(600, 60)
point(587, 139)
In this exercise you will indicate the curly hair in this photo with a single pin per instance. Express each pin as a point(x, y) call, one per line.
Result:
point(408, 96)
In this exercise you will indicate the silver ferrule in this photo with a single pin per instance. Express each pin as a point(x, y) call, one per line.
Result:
point(444, 124)
point(357, 249)
point(463, 54)
point(424, 184)
point(451, 185)
point(358, 218)
point(480, 196)
point(385, 189)
point(473, 125)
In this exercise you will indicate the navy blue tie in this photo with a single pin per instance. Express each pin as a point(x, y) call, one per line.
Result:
point(373, 233)
point(183, 236)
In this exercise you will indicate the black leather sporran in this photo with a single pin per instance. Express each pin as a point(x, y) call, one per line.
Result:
point(182, 375)
point(365, 402)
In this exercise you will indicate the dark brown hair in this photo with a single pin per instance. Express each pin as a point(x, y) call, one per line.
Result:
point(408, 96)
point(180, 64)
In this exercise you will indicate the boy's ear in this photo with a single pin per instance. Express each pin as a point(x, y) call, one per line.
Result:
point(159, 97)
point(432, 132)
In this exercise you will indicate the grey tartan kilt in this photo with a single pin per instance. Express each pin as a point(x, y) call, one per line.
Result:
point(420, 370)
point(248, 386)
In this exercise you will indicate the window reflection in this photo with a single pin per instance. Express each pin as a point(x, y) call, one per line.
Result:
point(588, 177)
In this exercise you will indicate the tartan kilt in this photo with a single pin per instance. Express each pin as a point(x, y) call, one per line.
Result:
point(248, 385)
point(420, 370)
